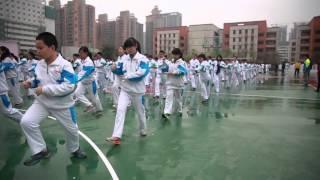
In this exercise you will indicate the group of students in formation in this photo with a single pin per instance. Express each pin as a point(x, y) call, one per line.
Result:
point(56, 84)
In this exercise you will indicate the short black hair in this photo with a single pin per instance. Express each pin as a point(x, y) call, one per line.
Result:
point(162, 51)
point(14, 56)
point(202, 56)
point(99, 53)
point(32, 54)
point(49, 39)
point(219, 57)
point(130, 42)
point(86, 50)
point(76, 54)
point(177, 51)
point(5, 52)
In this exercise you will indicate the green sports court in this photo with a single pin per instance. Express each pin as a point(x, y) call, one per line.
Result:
point(258, 132)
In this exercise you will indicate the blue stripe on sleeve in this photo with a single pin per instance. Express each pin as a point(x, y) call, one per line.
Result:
point(5, 100)
point(72, 78)
point(88, 71)
point(144, 66)
point(182, 70)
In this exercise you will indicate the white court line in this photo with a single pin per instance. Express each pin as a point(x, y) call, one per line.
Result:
point(96, 148)
point(102, 156)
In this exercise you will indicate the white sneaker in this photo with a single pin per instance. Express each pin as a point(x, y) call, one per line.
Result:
point(143, 132)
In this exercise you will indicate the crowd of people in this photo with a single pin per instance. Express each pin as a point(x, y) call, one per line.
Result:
point(56, 84)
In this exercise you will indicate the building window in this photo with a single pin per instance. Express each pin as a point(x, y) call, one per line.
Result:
point(174, 42)
point(246, 31)
point(234, 31)
point(240, 39)
point(169, 42)
point(233, 47)
point(160, 35)
point(234, 39)
point(252, 31)
point(181, 38)
point(182, 45)
point(240, 32)
point(240, 47)
point(174, 35)
point(169, 35)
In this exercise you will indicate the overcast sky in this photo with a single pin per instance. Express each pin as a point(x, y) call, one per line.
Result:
point(215, 11)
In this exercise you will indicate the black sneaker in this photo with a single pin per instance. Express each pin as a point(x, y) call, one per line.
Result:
point(79, 154)
point(35, 159)
point(165, 116)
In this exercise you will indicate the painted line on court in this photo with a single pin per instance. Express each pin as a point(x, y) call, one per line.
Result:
point(96, 148)
point(102, 156)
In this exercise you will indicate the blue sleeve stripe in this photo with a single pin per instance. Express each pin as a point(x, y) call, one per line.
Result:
point(22, 63)
point(33, 67)
point(5, 100)
point(1, 68)
point(119, 69)
point(34, 83)
point(145, 67)
point(8, 66)
point(164, 67)
point(94, 87)
point(73, 114)
point(182, 70)
point(88, 71)
point(72, 78)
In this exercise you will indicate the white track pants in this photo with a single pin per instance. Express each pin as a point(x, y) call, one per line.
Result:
point(173, 95)
point(216, 82)
point(102, 81)
point(7, 110)
point(14, 90)
point(124, 100)
point(205, 89)
point(88, 95)
point(31, 120)
point(160, 85)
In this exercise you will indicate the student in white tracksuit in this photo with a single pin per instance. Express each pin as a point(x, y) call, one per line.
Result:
point(132, 73)
point(153, 75)
point(9, 67)
point(76, 63)
point(23, 69)
point(148, 77)
point(55, 84)
point(32, 63)
point(100, 64)
point(222, 70)
point(175, 84)
point(194, 75)
point(205, 77)
point(160, 86)
point(215, 74)
point(116, 82)
point(5, 105)
point(86, 91)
